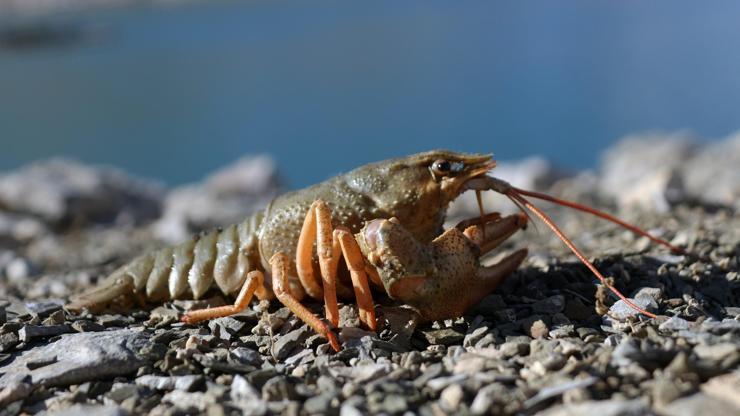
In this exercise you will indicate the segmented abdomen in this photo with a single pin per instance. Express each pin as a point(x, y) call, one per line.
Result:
point(223, 256)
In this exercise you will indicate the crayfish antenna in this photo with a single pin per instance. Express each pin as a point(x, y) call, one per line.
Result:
point(601, 214)
point(514, 194)
point(480, 208)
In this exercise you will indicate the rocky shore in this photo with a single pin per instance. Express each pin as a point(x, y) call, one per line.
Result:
point(550, 341)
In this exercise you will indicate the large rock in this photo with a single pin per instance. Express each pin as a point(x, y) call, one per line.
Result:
point(225, 197)
point(77, 358)
point(713, 175)
point(64, 191)
point(645, 170)
point(655, 171)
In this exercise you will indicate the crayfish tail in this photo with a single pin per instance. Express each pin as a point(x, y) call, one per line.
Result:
point(99, 297)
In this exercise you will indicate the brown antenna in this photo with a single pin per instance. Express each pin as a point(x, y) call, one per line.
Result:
point(601, 214)
point(516, 195)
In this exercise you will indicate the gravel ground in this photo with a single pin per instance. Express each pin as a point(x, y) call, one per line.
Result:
point(549, 341)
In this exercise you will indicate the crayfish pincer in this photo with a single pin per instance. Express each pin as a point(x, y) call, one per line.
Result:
point(385, 220)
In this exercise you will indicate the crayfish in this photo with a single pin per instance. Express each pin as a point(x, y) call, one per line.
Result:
point(384, 219)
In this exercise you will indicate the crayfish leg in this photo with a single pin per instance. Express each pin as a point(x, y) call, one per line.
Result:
point(331, 245)
point(280, 266)
point(356, 265)
point(255, 280)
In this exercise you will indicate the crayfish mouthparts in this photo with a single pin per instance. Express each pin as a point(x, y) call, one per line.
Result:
point(488, 183)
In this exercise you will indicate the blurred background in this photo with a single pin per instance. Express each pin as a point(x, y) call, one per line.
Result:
point(175, 89)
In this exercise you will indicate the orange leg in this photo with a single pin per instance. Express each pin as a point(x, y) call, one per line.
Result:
point(281, 287)
point(317, 227)
point(254, 281)
point(356, 265)
point(304, 255)
point(328, 260)
point(330, 247)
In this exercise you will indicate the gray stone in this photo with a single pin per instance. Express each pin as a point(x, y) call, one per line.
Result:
point(189, 401)
point(18, 269)
point(700, 404)
point(246, 356)
point(56, 318)
point(451, 397)
point(361, 373)
point(550, 306)
point(563, 331)
point(352, 336)
point(90, 410)
point(514, 348)
point(44, 309)
point(184, 383)
point(29, 332)
point(80, 357)
point(654, 293)
point(87, 326)
point(285, 344)
point(439, 383)
point(319, 404)
point(230, 324)
point(674, 323)
point(637, 407)
point(484, 399)
point(575, 309)
point(14, 391)
point(474, 336)
point(279, 388)
point(8, 341)
point(725, 387)
point(620, 311)
point(349, 317)
point(489, 305)
point(163, 315)
point(246, 397)
point(444, 336)
point(121, 391)
point(20, 227)
point(557, 390)
point(349, 409)
point(722, 355)
point(394, 403)
point(109, 321)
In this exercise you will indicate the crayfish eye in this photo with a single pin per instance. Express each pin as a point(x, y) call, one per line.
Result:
point(441, 167)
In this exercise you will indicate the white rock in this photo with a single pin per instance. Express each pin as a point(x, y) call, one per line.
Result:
point(713, 175)
point(58, 189)
point(451, 397)
point(18, 269)
point(644, 170)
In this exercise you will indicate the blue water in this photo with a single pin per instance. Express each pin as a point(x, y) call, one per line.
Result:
point(324, 86)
